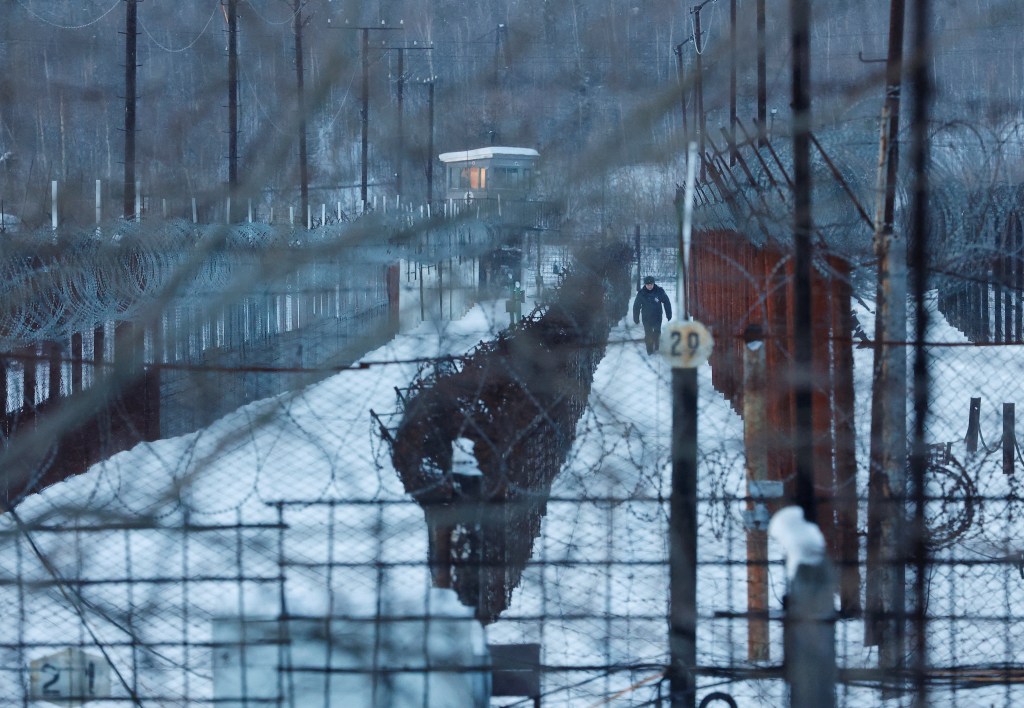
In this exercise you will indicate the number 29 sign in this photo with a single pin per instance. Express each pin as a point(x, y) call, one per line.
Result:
point(686, 345)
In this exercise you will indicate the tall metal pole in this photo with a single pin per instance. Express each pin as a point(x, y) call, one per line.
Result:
point(130, 67)
point(803, 227)
point(683, 540)
point(683, 499)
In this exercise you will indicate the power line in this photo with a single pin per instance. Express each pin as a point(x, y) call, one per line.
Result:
point(56, 24)
point(190, 44)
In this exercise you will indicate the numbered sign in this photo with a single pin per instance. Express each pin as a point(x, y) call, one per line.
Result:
point(686, 344)
point(69, 677)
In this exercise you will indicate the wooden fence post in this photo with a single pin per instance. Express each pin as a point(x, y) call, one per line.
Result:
point(755, 415)
point(973, 425)
point(54, 371)
point(28, 392)
point(1009, 438)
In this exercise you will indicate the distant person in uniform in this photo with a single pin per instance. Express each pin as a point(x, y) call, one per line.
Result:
point(649, 300)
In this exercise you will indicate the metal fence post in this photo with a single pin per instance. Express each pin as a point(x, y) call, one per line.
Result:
point(808, 628)
point(809, 637)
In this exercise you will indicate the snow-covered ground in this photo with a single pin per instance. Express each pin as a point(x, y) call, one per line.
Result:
point(301, 488)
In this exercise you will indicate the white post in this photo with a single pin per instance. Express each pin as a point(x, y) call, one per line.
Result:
point(375, 202)
point(53, 204)
point(339, 211)
point(163, 208)
point(138, 200)
point(291, 216)
point(428, 210)
point(309, 216)
point(227, 210)
point(323, 214)
point(271, 215)
point(250, 211)
point(362, 206)
point(99, 201)
point(195, 212)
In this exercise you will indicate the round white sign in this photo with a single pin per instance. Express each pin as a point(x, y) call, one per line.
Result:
point(686, 345)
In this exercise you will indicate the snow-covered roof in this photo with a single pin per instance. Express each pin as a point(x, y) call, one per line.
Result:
point(487, 152)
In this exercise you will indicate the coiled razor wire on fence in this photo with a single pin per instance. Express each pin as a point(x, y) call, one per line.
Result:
point(513, 405)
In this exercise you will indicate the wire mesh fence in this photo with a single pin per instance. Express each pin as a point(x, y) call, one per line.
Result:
point(399, 513)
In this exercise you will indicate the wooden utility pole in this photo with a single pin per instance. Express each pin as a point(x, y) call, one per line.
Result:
point(400, 96)
point(232, 13)
point(430, 141)
point(130, 68)
point(682, 87)
point(921, 93)
point(364, 117)
point(400, 90)
point(762, 76)
point(886, 574)
point(755, 441)
point(300, 93)
point(699, 88)
point(364, 104)
point(732, 82)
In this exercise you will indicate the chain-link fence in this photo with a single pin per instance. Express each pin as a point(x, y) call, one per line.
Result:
point(315, 425)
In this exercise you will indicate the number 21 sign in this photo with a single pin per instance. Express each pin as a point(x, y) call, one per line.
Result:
point(69, 677)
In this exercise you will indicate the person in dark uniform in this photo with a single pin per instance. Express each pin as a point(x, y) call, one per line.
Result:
point(650, 299)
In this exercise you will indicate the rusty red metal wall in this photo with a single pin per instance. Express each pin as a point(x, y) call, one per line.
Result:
point(738, 284)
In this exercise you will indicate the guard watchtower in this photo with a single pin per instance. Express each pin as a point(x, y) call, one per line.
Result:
point(489, 172)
